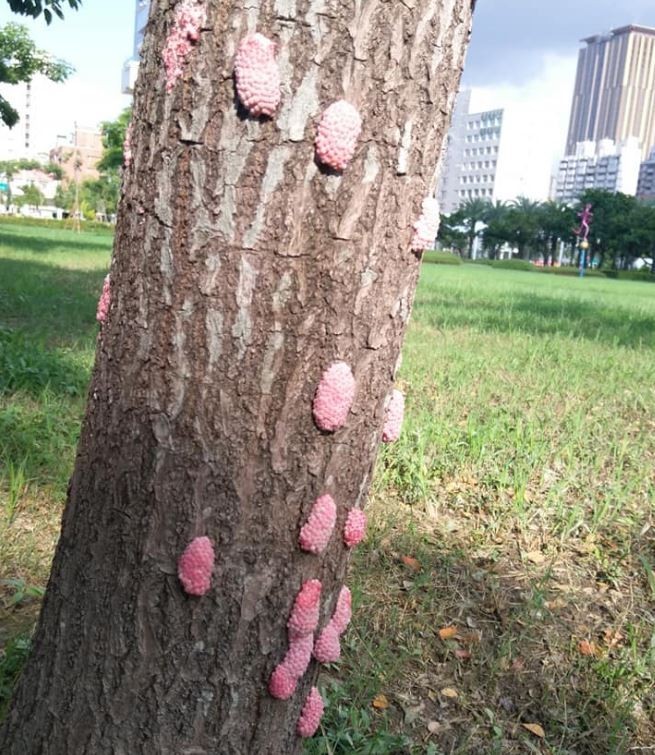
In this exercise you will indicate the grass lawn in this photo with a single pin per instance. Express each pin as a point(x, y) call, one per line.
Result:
point(505, 596)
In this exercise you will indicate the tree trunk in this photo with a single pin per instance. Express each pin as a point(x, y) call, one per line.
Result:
point(241, 271)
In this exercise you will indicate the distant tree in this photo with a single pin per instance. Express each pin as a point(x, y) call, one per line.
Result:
point(20, 61)
point(32, 196)
point(555, 222)
point(497, 231)
point(522, 220)
point(471, 217)
point(113, 139)
point(49, 8)
point(450, 236)
point(611, 226)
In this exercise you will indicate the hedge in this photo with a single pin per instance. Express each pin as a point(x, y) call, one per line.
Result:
point(67, 224)
point(631, 275)
point(441, 258)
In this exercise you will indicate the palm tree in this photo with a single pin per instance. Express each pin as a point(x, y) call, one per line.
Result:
point(522, 217)
point(471, 215)
point(496, 231)
point(555, 222)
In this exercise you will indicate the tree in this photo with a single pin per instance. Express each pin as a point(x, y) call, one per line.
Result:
point(32, 196)
point(471, 216)
point(522, 219)
point(34, 8)
point(496, 232)
point(20, 61)
point(450, 235)
point(113, 139)
point(554, 221)
point(242, 270)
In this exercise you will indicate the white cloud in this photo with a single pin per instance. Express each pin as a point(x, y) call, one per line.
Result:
point(534, 127)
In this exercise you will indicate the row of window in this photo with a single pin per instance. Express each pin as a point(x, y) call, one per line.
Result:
point(486, 135)
point(484, 123)
point(470, 193)
point(479, 179)
point(480, 151)
point(480, 165)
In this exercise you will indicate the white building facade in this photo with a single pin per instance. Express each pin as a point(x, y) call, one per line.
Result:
point(470, 164)
point(599, 165)
point(131, 66)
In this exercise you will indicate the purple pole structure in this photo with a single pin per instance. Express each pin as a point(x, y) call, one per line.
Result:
point(582, 233)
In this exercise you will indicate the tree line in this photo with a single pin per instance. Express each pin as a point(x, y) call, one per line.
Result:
point(622, 230)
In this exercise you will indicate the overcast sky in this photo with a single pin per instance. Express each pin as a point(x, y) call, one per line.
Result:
point(522, 57)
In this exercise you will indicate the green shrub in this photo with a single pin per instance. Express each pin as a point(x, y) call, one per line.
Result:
point(12, 659)
point(631, 275)
point(68, 223)
point(512, 264)
point(442, 258)
point(571, 270)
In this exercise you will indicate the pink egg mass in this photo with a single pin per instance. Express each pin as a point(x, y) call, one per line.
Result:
point(334, 397)
point(337, 134)
point(316, 532)
point(195, 566)
point(257, 76)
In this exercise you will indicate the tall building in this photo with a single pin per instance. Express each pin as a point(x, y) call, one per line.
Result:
point(598, 165)
point(470, 162)
point(614, 96)
point(131, 66)
point(646, 185)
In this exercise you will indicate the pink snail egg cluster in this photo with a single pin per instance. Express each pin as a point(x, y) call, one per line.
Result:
point(189, 18)
point(427, 226)
point(393, 418)
point(327, 648)
point(127, 146)
point(284, 678)
point(355, 527)
point(311, 714)
point(301, 625)
point(317, 530)
point(337, 134)
point(257, 76)
point(334, 397)
point(195, 566)
point(104, 301)
point(305, 611)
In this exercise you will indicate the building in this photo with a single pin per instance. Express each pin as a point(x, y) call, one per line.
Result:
point(78, 153)
point(646, 184)
point(598, 165)
point(470, 163)
point(31, 137)
point(131, 66)
point(614, 96)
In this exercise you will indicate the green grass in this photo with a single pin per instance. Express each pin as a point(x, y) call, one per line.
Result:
point(522, 487)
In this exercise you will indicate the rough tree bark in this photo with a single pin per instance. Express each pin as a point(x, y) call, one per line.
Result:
point(241, 271)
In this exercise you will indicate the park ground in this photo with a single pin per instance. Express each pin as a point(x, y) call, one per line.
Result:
point(505, 596)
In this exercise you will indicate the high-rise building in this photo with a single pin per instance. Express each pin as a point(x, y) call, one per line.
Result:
point(131, 66)
point(598, 165)
point(614, 96)
point(646, 185)
point(470, 162)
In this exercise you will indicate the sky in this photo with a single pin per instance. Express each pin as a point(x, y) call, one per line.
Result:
point(522, 57)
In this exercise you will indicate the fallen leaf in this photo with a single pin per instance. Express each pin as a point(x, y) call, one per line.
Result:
point(613, 638)
point(447, 633)
point(536, 557)
point(556, 605)
point(433, 727)
point(380, 702)
point(587, 648)
point(413, 564)
point(463, 655)
point(518, 664)
point(449, 692)
point(536, 729)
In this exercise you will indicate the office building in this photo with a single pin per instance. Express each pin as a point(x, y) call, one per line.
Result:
point(614, 96)
point(470, 162)
point(598, 165)
point(646, 185)
point(131, 66)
